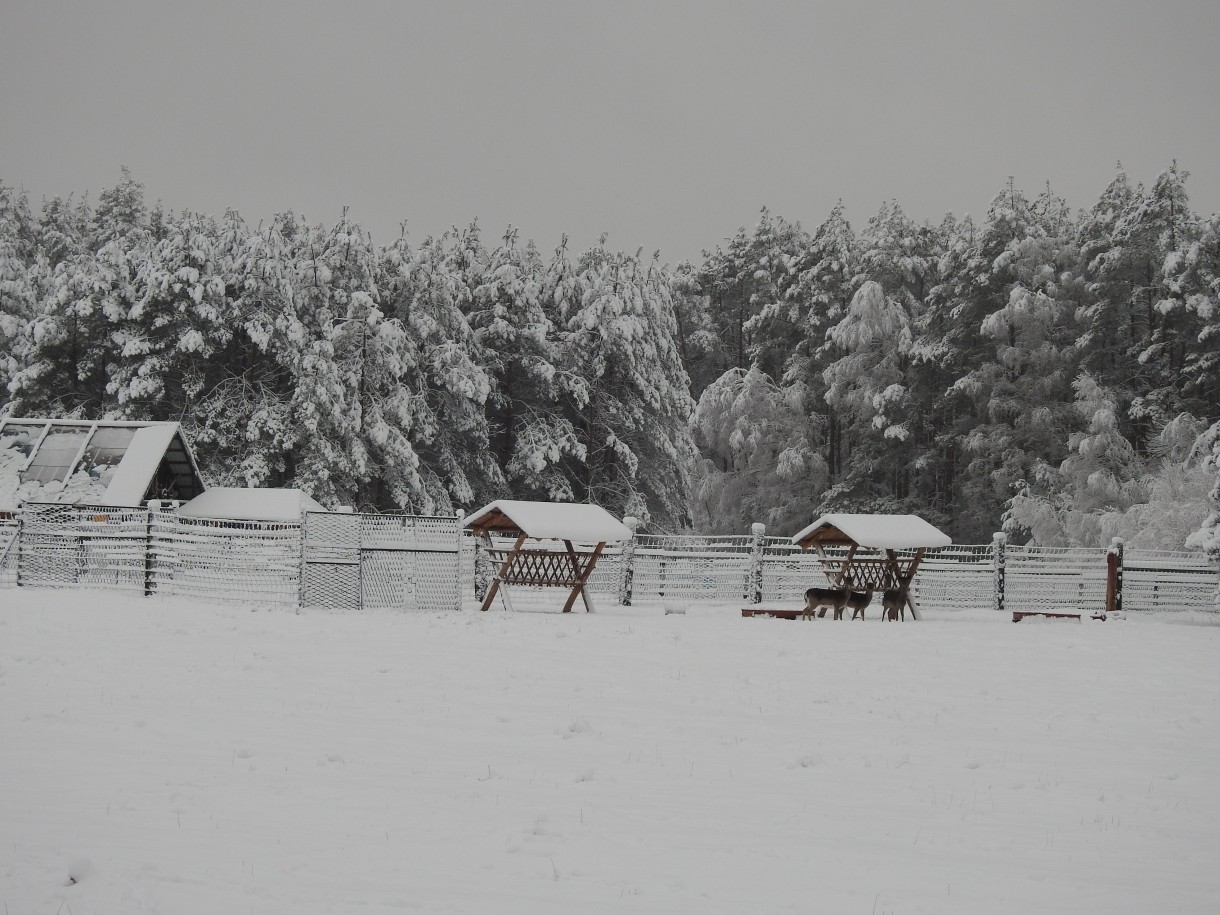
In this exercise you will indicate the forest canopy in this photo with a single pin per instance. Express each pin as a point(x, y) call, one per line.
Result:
point(1050, 371)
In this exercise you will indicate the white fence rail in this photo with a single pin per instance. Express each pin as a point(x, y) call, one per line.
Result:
point(349, 562)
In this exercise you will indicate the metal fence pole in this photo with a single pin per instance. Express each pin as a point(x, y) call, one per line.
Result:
point(998, 543)
point(757, 531)
point(20, 542)
point(627, 558)
point(482, 569)
point(148, 547)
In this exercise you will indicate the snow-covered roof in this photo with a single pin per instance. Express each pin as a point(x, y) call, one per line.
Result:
point(94, 462)
point(238, 504)
point(883, 532)
point(139, 465)
point(549, 521)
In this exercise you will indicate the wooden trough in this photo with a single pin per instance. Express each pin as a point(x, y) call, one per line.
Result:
point(557, 545)
point(872, 545)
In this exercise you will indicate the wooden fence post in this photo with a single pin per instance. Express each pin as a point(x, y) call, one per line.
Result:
point(627, 559)
point(757, 531)
point(1114, 577)
point(998, 542)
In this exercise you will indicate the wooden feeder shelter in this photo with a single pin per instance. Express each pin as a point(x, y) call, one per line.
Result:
point(878, 552)
point(555, 545)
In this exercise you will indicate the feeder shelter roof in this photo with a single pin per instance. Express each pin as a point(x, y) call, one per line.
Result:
point(883, 532)
point(238, 504)
point(549, 521)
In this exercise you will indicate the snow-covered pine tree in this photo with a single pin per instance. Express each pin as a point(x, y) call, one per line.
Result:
point(71, 347)
point(867, 393)
point(760, 453)
point(1064, 505)
point(1154, 234)
point(426, 289)
point(987, 309)
point(18, 269)
point(179, 320)
point(822, 286)
point(529, 432)
point(633, 422)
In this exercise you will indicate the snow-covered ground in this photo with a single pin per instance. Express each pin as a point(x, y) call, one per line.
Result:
point(158, 756)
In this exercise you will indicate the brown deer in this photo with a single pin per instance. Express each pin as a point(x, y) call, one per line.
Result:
point(818, 600)
point(857, 600)
point(894, 604)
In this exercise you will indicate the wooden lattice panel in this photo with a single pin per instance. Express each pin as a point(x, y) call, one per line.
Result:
point(541, 567)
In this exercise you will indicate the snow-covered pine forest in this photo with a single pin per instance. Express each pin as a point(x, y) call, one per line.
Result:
point(1053, 370)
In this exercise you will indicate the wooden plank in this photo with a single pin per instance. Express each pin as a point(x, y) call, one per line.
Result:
point(500, 576)
point(777, 614)
point(582, 577)
point(1018, 615)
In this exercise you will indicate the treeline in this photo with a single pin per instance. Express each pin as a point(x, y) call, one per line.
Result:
point(420, 376)
point(1056, 370)
point(1051, 370)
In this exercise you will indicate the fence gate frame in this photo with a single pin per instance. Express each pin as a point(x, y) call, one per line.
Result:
point(352, 561)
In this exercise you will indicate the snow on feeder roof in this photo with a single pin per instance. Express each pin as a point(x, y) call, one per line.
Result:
point(882, 532)
point(94, 463)
point(238, 504)
point(548, 521)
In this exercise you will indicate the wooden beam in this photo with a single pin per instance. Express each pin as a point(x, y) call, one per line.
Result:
point(846, 567)
point(502, 574)
point(581, 578)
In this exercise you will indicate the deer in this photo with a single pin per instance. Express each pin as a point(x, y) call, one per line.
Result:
point(857, 600)
point(894, 604)
point(836, 599)
point(818, 600)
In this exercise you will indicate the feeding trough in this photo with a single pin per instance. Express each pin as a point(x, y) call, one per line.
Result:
point(556, 545)
point(872, 552)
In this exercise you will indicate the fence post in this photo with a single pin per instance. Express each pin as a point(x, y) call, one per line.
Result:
point(458, 517)
point(757, 531)
point(627, 557)
point(1114, 577)
point(998, 542)
point(19, 542)
point(148, 546)
point(482, 569)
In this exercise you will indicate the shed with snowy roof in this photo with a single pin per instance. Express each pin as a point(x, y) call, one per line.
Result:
point(879, 552)
point(250, 504)
point(107, 463)
point(555, 545)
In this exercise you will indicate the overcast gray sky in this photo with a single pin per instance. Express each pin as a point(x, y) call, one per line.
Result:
point(665, 124)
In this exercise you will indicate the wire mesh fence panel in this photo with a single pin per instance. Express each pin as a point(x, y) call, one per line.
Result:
point(687, 576)
point(789, 571)
point(9, 528)
point(960, 577)
point(1165, 580)
point(1055, 578)
point(227, 561)
point(607, 575)
point(331, 566)
point(84, 546)
point(410, 562)
point(466, 567)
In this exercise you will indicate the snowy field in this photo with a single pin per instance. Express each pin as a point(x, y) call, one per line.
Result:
point(168, 757)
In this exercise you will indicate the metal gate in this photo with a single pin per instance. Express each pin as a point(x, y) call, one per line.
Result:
point(363, 561)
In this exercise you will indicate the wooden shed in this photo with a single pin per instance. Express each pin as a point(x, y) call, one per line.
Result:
point(555, 545)
point(881, 552)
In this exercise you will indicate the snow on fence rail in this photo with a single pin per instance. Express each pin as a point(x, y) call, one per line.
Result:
point(359, 561)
